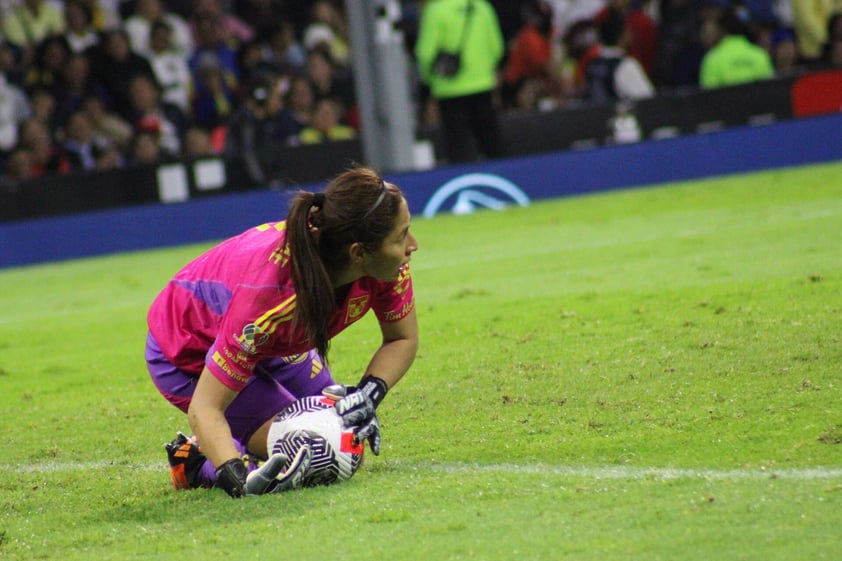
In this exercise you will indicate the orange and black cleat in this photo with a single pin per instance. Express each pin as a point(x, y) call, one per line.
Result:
point(186, 460)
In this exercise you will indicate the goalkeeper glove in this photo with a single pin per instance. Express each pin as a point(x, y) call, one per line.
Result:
point(278, 473)
point(231, 477)
point(357, 410)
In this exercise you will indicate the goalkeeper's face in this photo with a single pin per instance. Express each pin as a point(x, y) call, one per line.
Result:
point(396, 251)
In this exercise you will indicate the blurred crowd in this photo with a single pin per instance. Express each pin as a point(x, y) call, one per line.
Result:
point(661, 45)
point(105, 84)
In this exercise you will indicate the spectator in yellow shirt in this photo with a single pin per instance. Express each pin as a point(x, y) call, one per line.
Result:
point(325, 124)
point(31, 22)
point(810, 19)
point(734, 59)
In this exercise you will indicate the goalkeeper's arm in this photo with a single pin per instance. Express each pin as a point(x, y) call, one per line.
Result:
point(397, 352)
point(206, 416)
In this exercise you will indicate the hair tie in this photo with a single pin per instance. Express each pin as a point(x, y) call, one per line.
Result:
point(318, 200)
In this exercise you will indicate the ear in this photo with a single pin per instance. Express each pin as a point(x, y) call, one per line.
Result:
point(357, 253)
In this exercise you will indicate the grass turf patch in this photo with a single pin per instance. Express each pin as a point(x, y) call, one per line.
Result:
point(650, 374)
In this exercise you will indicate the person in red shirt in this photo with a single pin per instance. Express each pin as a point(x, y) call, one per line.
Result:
point(642, 30)
point(531, 55)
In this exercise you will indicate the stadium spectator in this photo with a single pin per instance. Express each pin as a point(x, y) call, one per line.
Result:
point(581, 45)
point(325, 125)
point(150, 113)
point(80, 33)
point(47, 158)
point(810, 20)
point(614, 74)
point(784, 52)
point(215, 94)
point(466, 97)
point(252, 146)
point(531, 58)
point(106, 13)
point(76, 83)
point(115, 66)
point(198, 143)
point(300, 101)
point(83, 151)
point(327, 80)
point(50, 57)
point(145, 149)
point(327, 30)
point(678, 35)
point(832, 48)
point(12, 64)
point(734, 59)
point(170, 67)
point(233, 30)
point(30, 22)
point(146, 12)
point(641, 30)
point(336, 255)
point(530, 96)
point(209, 41)
point(263, 15)
point(107, 125)
point(45, 107)
point(14, 110)
point(17, 168)
point(281, 50)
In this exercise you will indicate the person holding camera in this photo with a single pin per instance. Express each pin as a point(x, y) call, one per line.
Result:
point(252, 148)
point(459, 47)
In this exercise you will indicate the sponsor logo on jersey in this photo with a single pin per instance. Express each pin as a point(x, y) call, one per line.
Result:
point(466, 193)
point(396, 315)
point(251, 338)
point(223, 364)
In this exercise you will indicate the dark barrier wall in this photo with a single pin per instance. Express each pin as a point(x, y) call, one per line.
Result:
point(452, 189)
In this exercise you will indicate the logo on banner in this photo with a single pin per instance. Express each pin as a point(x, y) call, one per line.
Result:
point(469, 192)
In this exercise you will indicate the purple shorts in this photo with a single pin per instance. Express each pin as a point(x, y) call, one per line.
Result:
point(275, 384)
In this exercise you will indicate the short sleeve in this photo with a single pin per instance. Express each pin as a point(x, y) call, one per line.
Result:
point(396, 299)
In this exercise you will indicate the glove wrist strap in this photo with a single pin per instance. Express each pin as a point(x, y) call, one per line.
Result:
point(375, 388)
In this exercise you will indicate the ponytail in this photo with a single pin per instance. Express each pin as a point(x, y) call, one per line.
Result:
point(315, 300)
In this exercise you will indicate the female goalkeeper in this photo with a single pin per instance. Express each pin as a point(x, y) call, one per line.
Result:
point(243, 330)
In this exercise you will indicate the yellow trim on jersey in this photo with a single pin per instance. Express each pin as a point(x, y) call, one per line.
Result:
point(279, 226)
point(281, 313)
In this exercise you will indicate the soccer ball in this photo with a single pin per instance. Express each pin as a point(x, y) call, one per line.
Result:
point(313, 421)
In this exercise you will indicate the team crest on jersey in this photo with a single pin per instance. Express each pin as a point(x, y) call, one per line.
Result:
point(356, 308)
point(402, 283)
point(251, 338)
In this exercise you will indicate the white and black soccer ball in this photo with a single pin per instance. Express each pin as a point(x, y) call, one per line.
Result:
point(313, 421)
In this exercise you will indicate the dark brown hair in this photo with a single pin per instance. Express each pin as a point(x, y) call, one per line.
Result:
point(356, 206)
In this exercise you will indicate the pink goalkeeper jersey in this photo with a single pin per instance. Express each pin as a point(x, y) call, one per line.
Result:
point(232, 307)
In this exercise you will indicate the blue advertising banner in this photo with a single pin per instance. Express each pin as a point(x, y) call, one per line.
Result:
point(459, 189)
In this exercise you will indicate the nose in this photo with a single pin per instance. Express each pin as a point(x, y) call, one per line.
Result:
point(412, 247)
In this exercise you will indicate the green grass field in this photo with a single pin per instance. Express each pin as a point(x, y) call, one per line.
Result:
point(651, 374)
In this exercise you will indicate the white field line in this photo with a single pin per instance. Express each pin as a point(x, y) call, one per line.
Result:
point(633, 473)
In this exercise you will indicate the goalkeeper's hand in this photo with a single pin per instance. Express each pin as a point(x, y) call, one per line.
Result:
point(231, 477)
point(357, 410)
